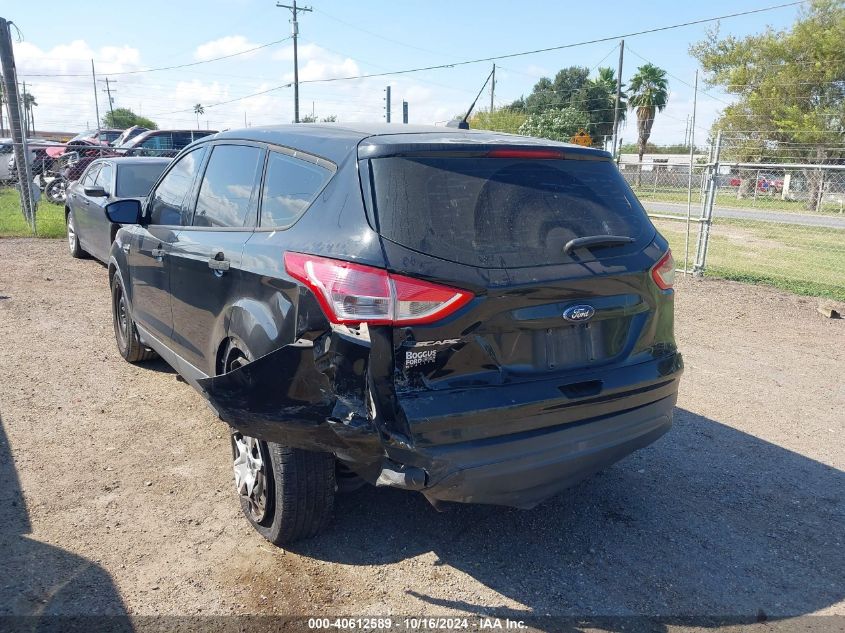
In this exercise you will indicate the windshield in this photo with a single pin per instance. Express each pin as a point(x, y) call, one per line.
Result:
point(135, 181)
point(501, 212)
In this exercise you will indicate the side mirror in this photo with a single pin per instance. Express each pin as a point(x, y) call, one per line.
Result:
point(124, 211)
point(95, 192)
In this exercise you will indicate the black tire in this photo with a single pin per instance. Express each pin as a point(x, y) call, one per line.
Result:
point(125, 333)
point(73, 237)
point(296, 498)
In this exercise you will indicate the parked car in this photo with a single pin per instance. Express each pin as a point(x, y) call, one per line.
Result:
point(89, 231)
point(765, 182)
point(103, 136)
point(481, 317)
point(161, 142)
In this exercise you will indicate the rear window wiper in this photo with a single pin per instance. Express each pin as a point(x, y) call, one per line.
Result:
point(596, 240)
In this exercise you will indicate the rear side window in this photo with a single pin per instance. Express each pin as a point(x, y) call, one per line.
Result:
point(167, 199)
point(91, 174)
point(180, 139)
point(289, 187)
point(103, 179)
point(135, 181)
point(502, 212)
point(158, 141)
point(225, 198)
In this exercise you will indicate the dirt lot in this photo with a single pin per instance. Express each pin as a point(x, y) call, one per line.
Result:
point(117, 494)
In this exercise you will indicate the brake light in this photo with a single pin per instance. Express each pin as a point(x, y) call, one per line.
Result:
point(353, 293)
point(663, 272)
point(524, 153)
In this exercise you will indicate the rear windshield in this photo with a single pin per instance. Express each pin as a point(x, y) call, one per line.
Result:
point(135, 181)
point(498, 212)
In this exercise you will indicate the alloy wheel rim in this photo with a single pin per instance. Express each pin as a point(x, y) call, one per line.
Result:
point(250, 474)
point(71, 233)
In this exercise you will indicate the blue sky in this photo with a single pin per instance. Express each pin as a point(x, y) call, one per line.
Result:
point(348, 38)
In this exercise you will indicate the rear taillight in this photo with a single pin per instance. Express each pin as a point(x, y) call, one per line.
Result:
point(352, 293)
point(663, 272)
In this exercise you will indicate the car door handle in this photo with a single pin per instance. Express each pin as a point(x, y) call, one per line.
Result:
point(218, 263)
point(158, 253)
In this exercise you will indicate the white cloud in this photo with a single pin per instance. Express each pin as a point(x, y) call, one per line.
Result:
point(66, 97)
point(316, 62)
point(228, 45)
point(60, 80)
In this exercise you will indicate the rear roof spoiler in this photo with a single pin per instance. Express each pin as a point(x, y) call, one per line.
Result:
point(374, 147)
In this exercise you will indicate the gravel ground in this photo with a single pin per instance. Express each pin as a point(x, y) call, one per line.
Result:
point(117, 494)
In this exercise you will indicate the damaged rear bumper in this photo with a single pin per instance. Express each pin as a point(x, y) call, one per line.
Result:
point(513, 445)
point(526, 469)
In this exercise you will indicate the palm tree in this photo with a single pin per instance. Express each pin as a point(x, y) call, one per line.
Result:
point(29, 103)
point(648, 94)
point(198, 110)
point(606, 81)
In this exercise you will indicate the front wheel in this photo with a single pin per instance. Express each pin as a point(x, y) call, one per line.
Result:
point(286, 493)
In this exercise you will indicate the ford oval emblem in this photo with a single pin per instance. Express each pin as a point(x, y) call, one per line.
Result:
point(579, 313)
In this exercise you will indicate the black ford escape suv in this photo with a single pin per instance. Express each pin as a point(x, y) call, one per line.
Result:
point(480, 317)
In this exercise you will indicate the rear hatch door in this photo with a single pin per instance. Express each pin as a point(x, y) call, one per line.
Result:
point(497, 222)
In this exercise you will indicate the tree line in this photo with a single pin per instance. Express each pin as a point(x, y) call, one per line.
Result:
point(559, 108)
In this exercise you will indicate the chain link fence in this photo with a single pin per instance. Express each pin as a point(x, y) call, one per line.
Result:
point(781, 223)
point(776, 218)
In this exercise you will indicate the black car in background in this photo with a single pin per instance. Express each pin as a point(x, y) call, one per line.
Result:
point(89, 231)
point(484, 318)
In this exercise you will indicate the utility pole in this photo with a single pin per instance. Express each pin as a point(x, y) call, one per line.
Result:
point(404, 111)
point(111, 100)
point(492, 88)
point(96, 103)
point(618, 96)
point(387, 104)
point(13, 101)
point(295, 32)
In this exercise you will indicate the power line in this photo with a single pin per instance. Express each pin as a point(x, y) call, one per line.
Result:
point(152, 70)
point(381, 37)
point(509, 55)
point(562, 46)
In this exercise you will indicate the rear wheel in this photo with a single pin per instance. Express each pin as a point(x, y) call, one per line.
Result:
point(125, 333)
point(287, 494)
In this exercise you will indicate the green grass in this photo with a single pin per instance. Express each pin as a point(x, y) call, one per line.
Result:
point(50, 218)
point(800, 259)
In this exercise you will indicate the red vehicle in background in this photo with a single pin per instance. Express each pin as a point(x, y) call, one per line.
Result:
point(766, 183)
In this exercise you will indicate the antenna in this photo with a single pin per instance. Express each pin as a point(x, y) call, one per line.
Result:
point(462, 124)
